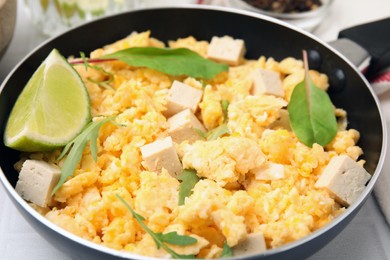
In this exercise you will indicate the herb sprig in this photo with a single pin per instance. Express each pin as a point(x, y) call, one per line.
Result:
point(189, 179)
point(312, 116)
point(227, 250)
point(76, 148)
point(103, 83)
point(160, 239)
point(175, 62)
point(220, 130)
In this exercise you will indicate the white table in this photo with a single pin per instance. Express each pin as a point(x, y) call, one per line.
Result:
point(368, 235)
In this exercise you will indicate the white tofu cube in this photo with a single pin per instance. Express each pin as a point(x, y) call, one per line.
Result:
point(180, 97)
point(269, 171)
point(183, 125)
point(255, 243)
point(344, 178)
point(36, 181)
point(226, 50)
point(266, 82)
point(161, 154)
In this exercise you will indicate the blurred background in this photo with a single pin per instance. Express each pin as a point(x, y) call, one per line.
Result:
point(54, 16)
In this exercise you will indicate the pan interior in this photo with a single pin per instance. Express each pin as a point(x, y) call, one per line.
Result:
point(262, 37)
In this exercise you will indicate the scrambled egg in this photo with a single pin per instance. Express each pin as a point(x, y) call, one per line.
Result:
point(231, 200)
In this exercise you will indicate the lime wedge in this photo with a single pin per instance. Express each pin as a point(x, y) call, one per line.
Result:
point(51, 110)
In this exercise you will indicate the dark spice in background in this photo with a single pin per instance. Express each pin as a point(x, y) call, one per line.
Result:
point(285, 6)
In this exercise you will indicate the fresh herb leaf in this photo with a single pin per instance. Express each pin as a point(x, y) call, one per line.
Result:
point(85, 62)
point(76, 148)
point(227, 250)
point(175, 239)
point(218, 132)
point(103, 83)
point(225, 105)
point(204, 84)
point(200, 132)
point(172, 237)
point(215, 133)
point(311, 111)
point(175, 62)
point(188, 179)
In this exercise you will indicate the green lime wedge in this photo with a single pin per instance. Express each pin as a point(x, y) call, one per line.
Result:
point(51, 110)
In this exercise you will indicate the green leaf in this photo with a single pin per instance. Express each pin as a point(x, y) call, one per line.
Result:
point(311, 111)
point(175, 239)
point(188, 179)
point(104, 83)
point(200, 132)
point(76, 148)
point(218, 132)
point(225, 105)
point(175, 62)
point(226, 251)
point(172, 236)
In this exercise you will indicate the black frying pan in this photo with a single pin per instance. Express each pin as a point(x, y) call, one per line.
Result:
point(263, 36)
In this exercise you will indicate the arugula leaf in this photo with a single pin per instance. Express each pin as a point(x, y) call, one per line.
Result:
point(76, 148)
point(188, 179)
point(218, 132)
point(215, 133)
point(200, 132)
point(227, 250)
point(225, 104)
point(104, 83)
point(172, 237)
point(175, 62)
point(311, 111)
point(176, 239)
point(222, 129)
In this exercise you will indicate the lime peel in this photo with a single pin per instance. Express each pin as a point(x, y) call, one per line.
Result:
point(51, 110)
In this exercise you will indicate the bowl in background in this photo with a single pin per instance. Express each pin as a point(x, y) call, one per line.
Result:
point(307, 20)
point(7, 23)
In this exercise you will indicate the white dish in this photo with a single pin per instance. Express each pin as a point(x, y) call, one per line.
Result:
point(306, 20)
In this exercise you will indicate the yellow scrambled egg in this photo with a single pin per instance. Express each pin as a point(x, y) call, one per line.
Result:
point(231, 200)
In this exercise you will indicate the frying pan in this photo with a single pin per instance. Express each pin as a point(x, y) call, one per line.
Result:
point(263, 36)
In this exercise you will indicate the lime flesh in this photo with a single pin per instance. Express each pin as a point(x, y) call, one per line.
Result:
point(51, 110)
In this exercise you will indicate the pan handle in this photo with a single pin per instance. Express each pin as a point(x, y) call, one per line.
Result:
point(368, 41)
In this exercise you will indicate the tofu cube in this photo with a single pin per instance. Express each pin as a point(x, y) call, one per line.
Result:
point(36, 181)
point(183, 125)
point(255, 243)
point(269, 171)
point(161, 154)
point(226, 50)
point(180, 97)
point(344, 178)
point(266, 82)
